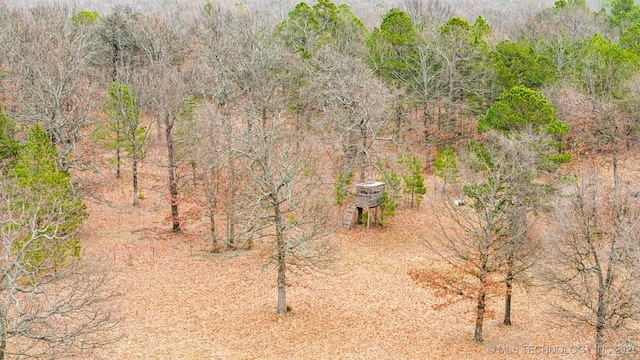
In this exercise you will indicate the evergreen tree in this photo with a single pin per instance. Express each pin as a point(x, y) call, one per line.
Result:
point(85, 17)
point(130, 136)
point(389, 200)
point(605, 66)
point(630, 38)
point(446, 165)
point(466, 53)
point(559, 4)
point(624, 12)
point(390, 46)
point(309, 29)
point(414, 181)
point(517, 64)
point(36, 170)
point(341, 188)
point(521, 108)
point(523, 117)
point(9, 147)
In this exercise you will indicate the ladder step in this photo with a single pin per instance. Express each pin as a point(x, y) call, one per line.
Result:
point(348, 216)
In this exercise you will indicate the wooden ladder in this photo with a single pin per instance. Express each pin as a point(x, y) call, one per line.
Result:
point(347, 220)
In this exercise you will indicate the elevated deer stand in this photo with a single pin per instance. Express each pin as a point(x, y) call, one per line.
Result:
point(368, 196)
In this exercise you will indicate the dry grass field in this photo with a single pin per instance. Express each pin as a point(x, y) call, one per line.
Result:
point(180, 301)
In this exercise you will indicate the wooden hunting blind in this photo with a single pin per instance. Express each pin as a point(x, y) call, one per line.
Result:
point(368, 195)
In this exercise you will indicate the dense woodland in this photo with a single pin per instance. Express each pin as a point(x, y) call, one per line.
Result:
point(268, 116)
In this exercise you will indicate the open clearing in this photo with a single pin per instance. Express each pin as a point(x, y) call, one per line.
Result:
point(180, 301)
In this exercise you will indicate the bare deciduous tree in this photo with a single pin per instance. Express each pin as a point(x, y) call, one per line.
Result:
point(555, 32)
point(595, 267)
point(218, 188)
point(355, 109)
point(426, 84)
point(165, 82)
point(51, 63)
point(276, 200)
point(214, 186)
point(48, 309)
point(425, 12)
point(477, 237)
point(119, 52)
point(284, 200)
point(254, 66)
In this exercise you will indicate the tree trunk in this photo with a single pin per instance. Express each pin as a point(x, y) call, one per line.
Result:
point(230, 230)
point(212, 229)
point(427, 135)
point(299, 115)
point(114, 61)
point(601, 312)
point(193, 173)
point(282, 296)
point(480, 315)
point(509, 291)
point(482, 293)
point(118, 156)
point(396, 136)
point(412, 192)
point(3, 347)
point(134, 166)
point(229, 210)
point(350, 150)
point(229, 195)
point(173, 182)
point(518, 239)
point(615, 168)
point(211, 206)
point(364, 152)
point(451, 82)
point(282, 255)
point(507, 298)
point(64, 165)
point(264, 117)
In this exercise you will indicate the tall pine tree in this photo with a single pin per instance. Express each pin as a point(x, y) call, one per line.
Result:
point(36, 170)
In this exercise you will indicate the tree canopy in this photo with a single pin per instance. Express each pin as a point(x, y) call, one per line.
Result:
point(518, 64)
point(308, 29)
point(521, 108)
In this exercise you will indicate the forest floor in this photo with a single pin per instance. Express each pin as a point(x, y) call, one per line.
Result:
point(181, 301)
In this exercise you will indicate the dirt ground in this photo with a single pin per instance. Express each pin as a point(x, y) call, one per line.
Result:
point(180, 301)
